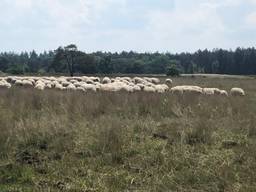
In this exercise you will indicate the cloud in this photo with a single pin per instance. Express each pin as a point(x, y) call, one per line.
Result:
point(116, 25)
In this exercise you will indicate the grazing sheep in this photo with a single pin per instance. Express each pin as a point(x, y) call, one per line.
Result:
point(223, 93)
point(155, 80)
point(65, 83)
point(126, 88)
point(141, 86)
point(59, 87)
point(89, 87)
point(94, 79)
point(210, 91)
point(81, 89)
point(149, 89)
point(237, 92)
point(138, 80)
point(18, 83)
point(168, 82)
point(161, 88)
point(187, 89)
point(40, 86)
point(107, 87)
point(136, 88)
point(73, 81)
point(27, 83)
point(106, 80)
point(48, 85)
point(71, 87)
point(5, 84)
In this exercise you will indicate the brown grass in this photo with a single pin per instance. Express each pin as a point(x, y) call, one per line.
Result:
point(69, 141)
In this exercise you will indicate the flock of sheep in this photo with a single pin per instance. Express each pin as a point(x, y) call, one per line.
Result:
point(127, 84)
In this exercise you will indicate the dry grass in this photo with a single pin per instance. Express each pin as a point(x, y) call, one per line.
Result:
point(56, 141)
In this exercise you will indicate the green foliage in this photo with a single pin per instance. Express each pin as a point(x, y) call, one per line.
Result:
point(172, 69)
point(16, 69)
point(71, 61)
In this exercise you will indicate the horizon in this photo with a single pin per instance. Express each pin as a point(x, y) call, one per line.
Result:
point(147, 26)
point(119, 52)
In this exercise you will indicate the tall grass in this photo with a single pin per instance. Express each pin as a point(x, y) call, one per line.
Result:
point(70, 141)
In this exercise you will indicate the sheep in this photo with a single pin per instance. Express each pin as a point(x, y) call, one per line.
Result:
point(106, 80)
point(223, 93)
point(127, 79)
point(78, 84)
point(94, 79)
point(126, 88)
point(209, 91)
point(136, 88)
point(187, 89)
point(168, 82)
point(89, 81)
point(237, 92)
point(141, 86)
point(27, 83)
point(5, 84)
point(10, 79)
point(48, 85)
point(89, 87)
point(81, 89)
point(59, 87)
point(65, 83)
point(149, 89)
point(161, 88)
point(71, 87)
point(138, 80)
point(155, 80)
point(107, 87)
point(73, 81)
point(40, 86)
point(18, 83)
point(214, 91)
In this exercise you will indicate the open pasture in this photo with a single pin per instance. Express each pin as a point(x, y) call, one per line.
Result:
point(68, 140)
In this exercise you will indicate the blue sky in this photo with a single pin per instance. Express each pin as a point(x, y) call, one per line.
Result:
point(117, 25)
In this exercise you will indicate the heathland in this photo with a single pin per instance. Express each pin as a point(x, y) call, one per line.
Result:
point(73, 141)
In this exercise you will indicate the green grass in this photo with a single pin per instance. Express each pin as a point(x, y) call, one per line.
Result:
point(69, 141)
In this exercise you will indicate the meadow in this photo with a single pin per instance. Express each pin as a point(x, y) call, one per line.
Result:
point(75, 141)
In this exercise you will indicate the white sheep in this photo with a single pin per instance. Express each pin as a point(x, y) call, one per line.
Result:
point(161, 88)
point(187, 89)
point(5, 84)
point(27, 83)
point(18, 83)
point(81, 89)
point(59, 87)
point(136, 88)
point(237, 92)
point(138, 80)
point(106, 80)
point(71, 87)
point(89, 87)
point(149, 89)
point(224, 93)
point(168, 82)
point(209, 91)
point(40, 86)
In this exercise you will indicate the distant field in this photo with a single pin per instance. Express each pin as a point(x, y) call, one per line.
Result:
point(72, 141)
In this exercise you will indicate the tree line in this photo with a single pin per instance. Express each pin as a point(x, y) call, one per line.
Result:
point(70, 60)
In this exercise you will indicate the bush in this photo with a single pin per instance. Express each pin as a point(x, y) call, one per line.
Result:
point(172, 71)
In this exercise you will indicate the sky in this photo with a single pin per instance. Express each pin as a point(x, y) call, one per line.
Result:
point(123, 25)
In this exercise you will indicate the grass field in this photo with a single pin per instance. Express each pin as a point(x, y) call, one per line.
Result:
point(71, 141)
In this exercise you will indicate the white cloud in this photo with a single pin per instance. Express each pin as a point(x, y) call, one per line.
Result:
point(101, 24)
